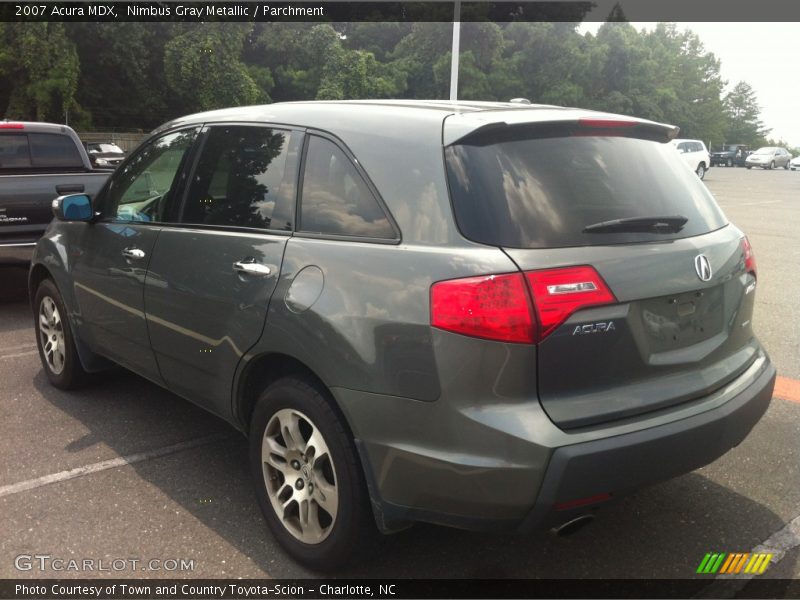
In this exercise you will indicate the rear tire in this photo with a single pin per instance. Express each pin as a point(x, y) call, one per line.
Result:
point(308, 478)
point(701, 170)
point(55, 340)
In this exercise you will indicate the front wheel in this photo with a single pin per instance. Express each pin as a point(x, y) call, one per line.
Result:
point(308, 478)
point(701, 170)
point(730, 162)
point(772, 165)
point(54, 339)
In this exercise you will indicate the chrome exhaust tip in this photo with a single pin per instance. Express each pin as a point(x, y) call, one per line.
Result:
point(573, 525)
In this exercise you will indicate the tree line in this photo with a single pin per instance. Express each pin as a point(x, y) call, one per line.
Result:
point(138, 75)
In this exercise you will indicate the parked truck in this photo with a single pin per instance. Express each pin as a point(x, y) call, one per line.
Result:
point(38, 162)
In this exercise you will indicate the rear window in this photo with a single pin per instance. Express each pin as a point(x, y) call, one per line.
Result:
point(54, 150)
point(542, 192)
point(14, 153)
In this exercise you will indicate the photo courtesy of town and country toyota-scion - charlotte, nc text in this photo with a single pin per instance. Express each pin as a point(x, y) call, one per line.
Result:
point(247, 10)
point(198, 590)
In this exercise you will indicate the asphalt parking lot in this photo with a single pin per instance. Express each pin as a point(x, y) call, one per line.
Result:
point(184, 491)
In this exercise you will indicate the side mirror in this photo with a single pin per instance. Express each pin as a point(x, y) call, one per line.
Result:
point(75, 207)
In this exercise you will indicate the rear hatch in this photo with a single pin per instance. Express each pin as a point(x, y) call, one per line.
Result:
point(658, 311)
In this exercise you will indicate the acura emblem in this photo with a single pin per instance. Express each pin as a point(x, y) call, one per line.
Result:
point(702, 267)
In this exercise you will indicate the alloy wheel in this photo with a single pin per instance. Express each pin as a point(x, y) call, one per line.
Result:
point(51, 335)
point(299, 476)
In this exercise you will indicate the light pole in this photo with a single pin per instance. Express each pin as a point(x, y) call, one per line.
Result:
point(455, 51)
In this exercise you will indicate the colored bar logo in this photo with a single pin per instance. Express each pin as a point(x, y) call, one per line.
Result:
point(734, 563)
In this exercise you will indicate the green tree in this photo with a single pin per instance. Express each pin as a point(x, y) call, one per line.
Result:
point(742, 111)
point(122, 81)
point(41, 65)
point(204, 68)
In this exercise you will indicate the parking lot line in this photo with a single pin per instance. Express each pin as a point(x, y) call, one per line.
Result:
point(18, 354)
point(787, 389)
point(113, 463)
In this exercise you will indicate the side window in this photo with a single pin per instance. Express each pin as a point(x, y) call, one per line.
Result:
point(335, 199)
point(241, 179)
point(683, 147)
point(14, 153)
point(54, 150)
point(143, 189)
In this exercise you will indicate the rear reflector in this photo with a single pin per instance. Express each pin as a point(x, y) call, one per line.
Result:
point(557, 293)
point(606, 123)
point(583, 501)
point(12, 126)
point(494, 307)
point(504, 308)
point(749, 257)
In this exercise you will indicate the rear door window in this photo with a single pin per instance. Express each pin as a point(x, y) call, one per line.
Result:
point(528, 192)
point(335, 199)
point(54, 150)
point(241, 179)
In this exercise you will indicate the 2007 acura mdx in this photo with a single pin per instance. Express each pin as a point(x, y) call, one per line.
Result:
point(485, 315)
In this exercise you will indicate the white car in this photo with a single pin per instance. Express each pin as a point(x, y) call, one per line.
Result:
point(794, 164)
point(695, 154)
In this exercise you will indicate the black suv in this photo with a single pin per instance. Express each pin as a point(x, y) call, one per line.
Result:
point(730, 155)
point(485, 315)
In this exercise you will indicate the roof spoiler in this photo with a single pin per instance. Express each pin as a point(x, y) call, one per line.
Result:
point(601, 125)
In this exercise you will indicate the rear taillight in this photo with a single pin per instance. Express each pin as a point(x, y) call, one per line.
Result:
point(12, 126)
point(504, 308)
point(495, 307)
point(749, 257)
point(557, 293)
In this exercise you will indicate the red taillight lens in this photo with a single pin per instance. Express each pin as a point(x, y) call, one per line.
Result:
point(12, 126)
point(495, 307)
point(749, 257)
point(557, 293)
point(499, 307)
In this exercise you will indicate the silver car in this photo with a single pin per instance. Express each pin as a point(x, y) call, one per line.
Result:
point(768, 157)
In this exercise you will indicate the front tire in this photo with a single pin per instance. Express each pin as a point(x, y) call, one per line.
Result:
point(772, 165)
point(308, 478)
point(55, 340)
point(730, 162)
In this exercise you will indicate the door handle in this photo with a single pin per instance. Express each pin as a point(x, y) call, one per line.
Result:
point(133, 253)
point(249, 266)
point(69, 188)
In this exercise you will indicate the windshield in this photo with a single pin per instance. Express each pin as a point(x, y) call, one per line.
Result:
point(544, 192)
point(765, 151)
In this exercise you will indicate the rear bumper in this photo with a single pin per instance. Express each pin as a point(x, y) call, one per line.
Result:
point(514, 466)
point(621, 464)
point(16, 253)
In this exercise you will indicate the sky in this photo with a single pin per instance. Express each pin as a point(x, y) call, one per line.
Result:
point(765, 55)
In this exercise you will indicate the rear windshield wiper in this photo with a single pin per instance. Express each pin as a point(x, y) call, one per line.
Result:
point(668, 224)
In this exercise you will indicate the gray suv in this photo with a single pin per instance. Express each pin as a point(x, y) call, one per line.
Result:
point(485, 315)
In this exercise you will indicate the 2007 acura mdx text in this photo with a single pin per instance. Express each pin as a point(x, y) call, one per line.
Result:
point(485, 315)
